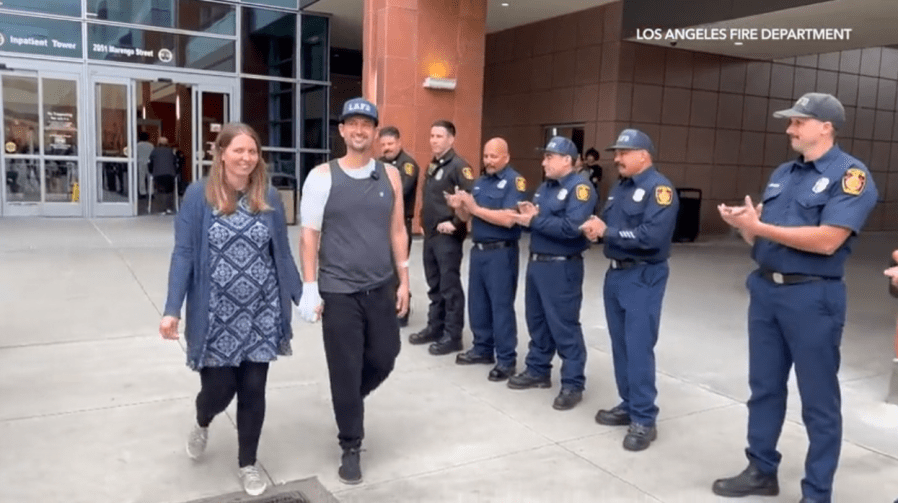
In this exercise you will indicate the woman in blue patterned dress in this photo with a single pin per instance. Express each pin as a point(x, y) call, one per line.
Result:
point(232, 263)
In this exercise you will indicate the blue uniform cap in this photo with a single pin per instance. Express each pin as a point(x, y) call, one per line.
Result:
point(359, 106)
point(563, 146)
point(633, 139)
point(821, 106)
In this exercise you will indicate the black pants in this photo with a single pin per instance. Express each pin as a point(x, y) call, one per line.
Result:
point(442, 266)
point(361, 343)
point(219, 385)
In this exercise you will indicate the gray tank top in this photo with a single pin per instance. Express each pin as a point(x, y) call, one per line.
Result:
point(355, 252)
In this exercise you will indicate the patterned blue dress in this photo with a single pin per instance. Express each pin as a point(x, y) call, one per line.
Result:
point(244, 307)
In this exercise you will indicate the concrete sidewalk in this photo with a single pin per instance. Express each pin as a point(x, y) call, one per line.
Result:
point(96, 407)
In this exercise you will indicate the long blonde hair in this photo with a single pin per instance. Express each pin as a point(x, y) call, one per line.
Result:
point(222, 196)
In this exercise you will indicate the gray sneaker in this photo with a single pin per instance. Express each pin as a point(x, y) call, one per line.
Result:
point(196, 441)
point(253, 483)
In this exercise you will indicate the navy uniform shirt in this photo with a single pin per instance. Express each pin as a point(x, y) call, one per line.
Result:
point(836, 189)
point(443, 175)
point(641, 213)
point(408, 170)
point(499, 191)
point(564, 205)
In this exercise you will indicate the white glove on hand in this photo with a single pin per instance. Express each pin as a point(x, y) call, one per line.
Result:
point(310, 304)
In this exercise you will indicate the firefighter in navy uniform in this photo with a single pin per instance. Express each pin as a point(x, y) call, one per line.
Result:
point(802, 233)
point(554, 284)
point(637, 225)
point(393, 153)
point(444, 234)
point(493, 273)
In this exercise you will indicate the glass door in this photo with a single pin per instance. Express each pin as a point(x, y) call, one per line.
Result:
point(39, 159)
point(113, 159)
point(212, 106)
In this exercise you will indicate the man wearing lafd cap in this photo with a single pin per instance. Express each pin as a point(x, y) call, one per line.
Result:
point(353, 245)
point(554, 286)
point(801, 235)
point(637, 225)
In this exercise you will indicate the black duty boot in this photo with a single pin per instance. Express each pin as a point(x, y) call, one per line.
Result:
point(469, 357)
point(425, 336)
point(350, 468)
point(445, 346)
point(751, 482)
point(617, 416)
point(526, 380)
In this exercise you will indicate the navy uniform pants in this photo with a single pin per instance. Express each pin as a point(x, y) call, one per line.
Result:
point(442, 267)
point(633, 310)
point(799, 325)
point(492, 284)
point(361, 343)
point(553, 295)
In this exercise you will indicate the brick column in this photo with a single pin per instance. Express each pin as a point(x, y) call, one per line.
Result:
point(404, 42)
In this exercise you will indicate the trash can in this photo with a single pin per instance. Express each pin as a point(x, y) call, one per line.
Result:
point(286, 187)
point(689, 215)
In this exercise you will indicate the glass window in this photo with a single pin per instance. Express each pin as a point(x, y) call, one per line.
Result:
point(60, 7)
point(268, 106)
point(61, 177)
point(281, 163)
point(308, 161)
point(20, 115)
point(23, 180)
point(291, 4)
point(314, 47)
point(32, 35)
point(133, 45)
point(269, 42)
point(60, 117)
point(192, 15)
point(314, 114)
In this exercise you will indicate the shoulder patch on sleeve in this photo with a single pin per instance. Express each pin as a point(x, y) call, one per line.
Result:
point(582, 191)
point(467, 173)
point(663, 195)
point(853, 181)
point(520, 183)
point(409, 168)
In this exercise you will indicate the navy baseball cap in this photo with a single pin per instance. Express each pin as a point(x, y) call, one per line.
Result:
point(633, 139)
point(821, 106)
point(563, 146)
point(359, 106)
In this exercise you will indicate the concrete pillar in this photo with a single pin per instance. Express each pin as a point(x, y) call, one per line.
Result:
point(404, 42)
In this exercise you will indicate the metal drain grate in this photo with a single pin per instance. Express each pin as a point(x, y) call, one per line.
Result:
point(291, 497)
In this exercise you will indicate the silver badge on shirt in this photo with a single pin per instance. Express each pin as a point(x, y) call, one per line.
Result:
point(638, 194)
point(562, 194)
point(439, 175)
point(502, 184)
point(821, 185)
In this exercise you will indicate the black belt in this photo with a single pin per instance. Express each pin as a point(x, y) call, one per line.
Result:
point(495, 245)
point(790, 279)
point(626, 263)
point(540, 257)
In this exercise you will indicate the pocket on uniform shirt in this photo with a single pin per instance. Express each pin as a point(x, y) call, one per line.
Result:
point(810, 207)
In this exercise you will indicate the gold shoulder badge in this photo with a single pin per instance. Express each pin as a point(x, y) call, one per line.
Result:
point(663, 195)
point(854, 181)
point(409, 168)
point(521, 183)
point(467, 173)
point(582, 192)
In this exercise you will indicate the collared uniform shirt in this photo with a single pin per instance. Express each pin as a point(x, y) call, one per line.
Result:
point(408, 171)
point(443, 175)
point(502, 190)
point(641, 213)
point(564, 205)
point(836, 189)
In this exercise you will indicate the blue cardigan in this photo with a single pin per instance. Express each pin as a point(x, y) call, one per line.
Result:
point(189, 274)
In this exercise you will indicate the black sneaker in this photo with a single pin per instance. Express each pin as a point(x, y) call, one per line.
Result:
point(639, 437)
point(526, 380)
point(751, 482)
point(350, 468)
